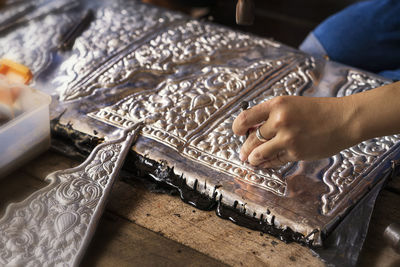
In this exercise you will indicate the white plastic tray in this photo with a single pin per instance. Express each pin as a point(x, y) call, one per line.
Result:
point(27, 135)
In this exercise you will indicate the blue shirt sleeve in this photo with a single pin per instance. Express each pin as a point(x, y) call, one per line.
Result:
point(364, 35)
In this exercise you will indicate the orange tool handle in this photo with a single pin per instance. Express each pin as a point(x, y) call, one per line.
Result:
point(15, 72)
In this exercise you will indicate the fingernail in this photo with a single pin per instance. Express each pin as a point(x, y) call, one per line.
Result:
point(242, 157)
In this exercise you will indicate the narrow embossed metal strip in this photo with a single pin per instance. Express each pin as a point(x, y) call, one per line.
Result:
point(54, 225)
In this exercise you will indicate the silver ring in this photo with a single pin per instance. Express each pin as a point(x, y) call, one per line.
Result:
point(259, 135)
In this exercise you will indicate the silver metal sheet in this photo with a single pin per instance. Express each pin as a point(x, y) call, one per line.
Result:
point(54, 225)
point(41, 25)
point(186, 78)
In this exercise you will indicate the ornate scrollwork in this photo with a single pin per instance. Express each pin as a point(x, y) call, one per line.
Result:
point(183, 105)
point(178, 45)
point(357, 82)
point(54, 224)
point(190, 115)
point(349, 165)
point(117, 28)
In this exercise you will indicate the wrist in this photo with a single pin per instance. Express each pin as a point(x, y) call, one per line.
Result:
point(353, 119)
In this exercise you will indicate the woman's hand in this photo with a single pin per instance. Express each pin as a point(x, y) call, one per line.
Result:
point(297, 128)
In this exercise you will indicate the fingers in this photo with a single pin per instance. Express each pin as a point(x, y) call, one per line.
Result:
point(252, 141)
point(266, 152)
point(281, 158)
point(249, 118)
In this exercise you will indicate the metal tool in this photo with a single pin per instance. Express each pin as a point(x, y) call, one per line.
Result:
point(244, 105)
point(245, 12)
point(68, 39)
point(392, 236)
point(54, 225)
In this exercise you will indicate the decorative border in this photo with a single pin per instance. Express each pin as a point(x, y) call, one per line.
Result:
point(54, 225)
point(349, 166)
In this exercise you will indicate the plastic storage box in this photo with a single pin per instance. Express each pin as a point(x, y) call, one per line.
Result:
point(27, 135)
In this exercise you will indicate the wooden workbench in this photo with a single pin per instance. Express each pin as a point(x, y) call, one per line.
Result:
point(141, 228)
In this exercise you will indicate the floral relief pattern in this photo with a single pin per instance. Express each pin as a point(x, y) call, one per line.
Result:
point(189, 115)
point(180, 45)
point(349, 165)
point(116, 28)
point(51, 227)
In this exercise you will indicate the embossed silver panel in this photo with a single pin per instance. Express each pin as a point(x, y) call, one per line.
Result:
point(185, 79)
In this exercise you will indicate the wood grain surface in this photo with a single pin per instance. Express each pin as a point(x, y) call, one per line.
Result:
point(141, 228)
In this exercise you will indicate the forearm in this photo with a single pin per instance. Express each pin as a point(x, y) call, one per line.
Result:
point(309, 128)
point(374, 113)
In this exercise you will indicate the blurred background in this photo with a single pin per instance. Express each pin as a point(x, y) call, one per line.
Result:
point(288, 21)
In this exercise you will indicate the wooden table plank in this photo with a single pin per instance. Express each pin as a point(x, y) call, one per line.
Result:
point(204, 231)
point(139, 217)
point(119, 242)
point(16, 187)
